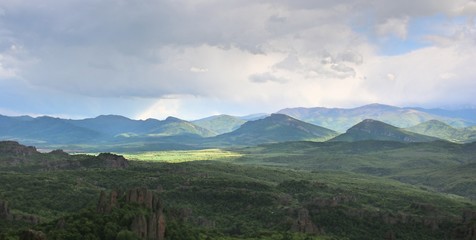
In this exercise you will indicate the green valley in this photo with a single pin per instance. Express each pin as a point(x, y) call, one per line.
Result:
point(295, 190)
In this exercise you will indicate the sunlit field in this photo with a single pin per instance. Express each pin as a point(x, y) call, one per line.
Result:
point(183, 156)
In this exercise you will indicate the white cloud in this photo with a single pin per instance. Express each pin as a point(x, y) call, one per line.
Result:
point(161, 109)
point(391, 77)
point(467, 8)
point(266, 77)
point(397, 27)
point(6, 72)
point(198, 69)
point(427, 76)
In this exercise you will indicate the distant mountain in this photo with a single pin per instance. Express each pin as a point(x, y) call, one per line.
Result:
point(375, 130)
point(119, 126)
point(341, 119)
point(174, 127)
point(110, 125)
point(102, 129)
point(255, 116)
point(220, 124)
point(444, 131)
point(468, 114)
point(44, 129)
point(275, 128)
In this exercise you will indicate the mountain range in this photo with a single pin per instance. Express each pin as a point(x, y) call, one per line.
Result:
point(370, 122)
point(104, 128)
point(341, 119)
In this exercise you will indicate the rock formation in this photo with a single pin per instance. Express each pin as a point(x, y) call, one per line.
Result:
point(32, 235)
point(113, 160)
point(7, 215)
point(107, 203)
point(15, 149)
point(468, 216)
point(390, 235)
point(151, 225)
point(467, 229)
point(14, 154)
point(4, 210)
point(304, 224)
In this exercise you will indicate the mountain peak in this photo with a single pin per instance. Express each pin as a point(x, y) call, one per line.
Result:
point(276, 128)
point(370, 129)
point(371, 126)
point(378, 106)
point(111, 117)
point(279, 116)
point(220, 124)
point(173, 119)
point(369, 121)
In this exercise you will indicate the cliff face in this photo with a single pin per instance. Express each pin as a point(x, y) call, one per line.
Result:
point(7, 215)
point(112, 160)
point(13, 154)
point(4, 210)
point(32, 235)
point(150, 225)
point(304, 224)
point(467, 230)
point(15, 149)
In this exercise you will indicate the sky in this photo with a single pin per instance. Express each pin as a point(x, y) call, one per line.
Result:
point(195, 58)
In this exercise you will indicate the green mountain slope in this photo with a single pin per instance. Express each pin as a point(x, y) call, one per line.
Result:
point(444, 131)
point(105, 129)
point(220, 124)
point(173, 127)
point(109, 125)
point(113, 125)
point(341, 119)
point(375, 130)
point(44, 129)
point(275, 128)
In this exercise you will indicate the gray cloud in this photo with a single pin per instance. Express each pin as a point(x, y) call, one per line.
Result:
point(152, 49)
point(266, 77)
point(291, 62)
point(343, 70)
point(351, 57)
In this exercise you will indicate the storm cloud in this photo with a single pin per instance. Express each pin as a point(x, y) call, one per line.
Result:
point(303, 53)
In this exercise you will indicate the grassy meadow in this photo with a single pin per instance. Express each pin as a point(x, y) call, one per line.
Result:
point(183, 155)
